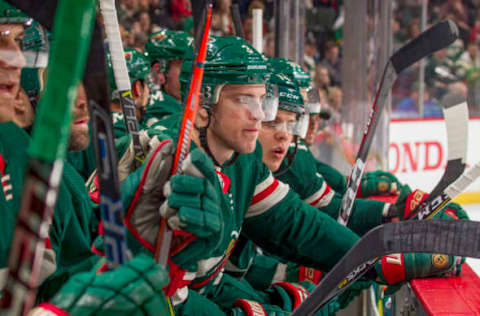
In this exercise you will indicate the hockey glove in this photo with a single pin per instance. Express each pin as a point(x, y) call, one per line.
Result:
point(398, 268)
point(133, 287)
point(149, 139)
point(192, 209)
point(408, 201)
point(378, 183)
point(250, 308)
point(193, 205)
point(290, 295)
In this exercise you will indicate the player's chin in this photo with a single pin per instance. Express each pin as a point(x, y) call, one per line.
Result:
point(79, 140)
point(246, 146)
point(273, 164)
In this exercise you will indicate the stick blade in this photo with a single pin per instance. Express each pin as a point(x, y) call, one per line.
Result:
point(435, 38)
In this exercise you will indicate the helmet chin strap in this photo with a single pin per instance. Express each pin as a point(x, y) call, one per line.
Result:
point(204, 143)
point(290, 157)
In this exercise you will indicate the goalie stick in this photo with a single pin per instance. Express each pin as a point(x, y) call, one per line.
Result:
point(122, 79)
point(164, 237)
point(339, 283)
point(455, 238)
point(437, 37)
point(47, 153)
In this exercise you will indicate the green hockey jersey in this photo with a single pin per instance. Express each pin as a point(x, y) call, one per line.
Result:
point(161, 106)
point(271, 215)
point(68, 246)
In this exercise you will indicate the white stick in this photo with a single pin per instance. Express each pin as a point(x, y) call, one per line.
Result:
point(257, 39)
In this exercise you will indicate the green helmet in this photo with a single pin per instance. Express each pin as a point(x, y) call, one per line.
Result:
point(229, 60)
point(289, 96)
point(138, 69)
point(9, 14)
point(293, 70)
point(166, 45)
point(31, 81)
point(35, 44)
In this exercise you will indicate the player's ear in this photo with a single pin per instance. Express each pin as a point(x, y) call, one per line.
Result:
point(202, 117)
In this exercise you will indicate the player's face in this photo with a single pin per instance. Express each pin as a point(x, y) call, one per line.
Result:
point(79, 138)
point(172, 83)
point(312, 129)
point(233, 126)
point(11, 63)
point(275, 141)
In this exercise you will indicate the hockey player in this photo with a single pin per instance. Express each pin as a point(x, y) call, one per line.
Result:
point(207, 215)
point(373, 183)
point(263, 270)
point(68, 246)
point(139, 71)
point(239, 194)
point(165, 50)
point(18, 48)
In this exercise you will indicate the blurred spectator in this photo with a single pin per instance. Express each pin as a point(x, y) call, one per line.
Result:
point(439, 72)
point(413, 29)
point(180, 10)
point(143, 5)
point(143, 18)
point(221, 19)
point(457, 11)
point(408, 108)
point(126, 12)
point(397, 35)
point(248, 29)
point(310, 57)
point(321, 79)
point(469, 71)
point(335, 98)
point(270, 45)
point(127, 37)
point(333, 62)
point(159, 14)
point(255, 4)
point(468, 60)
point(139, 41)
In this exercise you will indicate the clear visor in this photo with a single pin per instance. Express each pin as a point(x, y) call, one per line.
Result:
point(270, 103)
point(264, 109)
point(155, 78)
point(313, 104)
point(23, 45)
point(298, 127)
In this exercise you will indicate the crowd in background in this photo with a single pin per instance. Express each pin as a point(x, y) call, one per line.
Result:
point(455, 69)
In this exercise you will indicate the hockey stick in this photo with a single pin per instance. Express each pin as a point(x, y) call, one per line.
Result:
point(361, 268)
point(437, 37)
point(455, 112)
point(96, 83)
point(456, 119)
point(455, 238)
point(164, 237)
point(237, 19)
point(122, 79)
point(47, 153)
